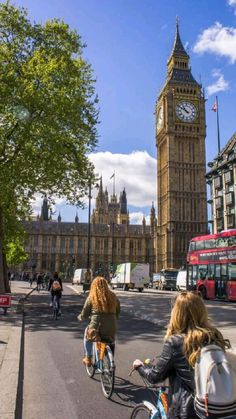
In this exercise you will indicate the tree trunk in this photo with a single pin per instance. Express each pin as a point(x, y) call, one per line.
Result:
point(4, 283)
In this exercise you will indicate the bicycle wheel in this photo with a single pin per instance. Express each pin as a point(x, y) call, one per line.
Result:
point(141, 412)
point(55, 313)
point(108, 374)
point(91, 369)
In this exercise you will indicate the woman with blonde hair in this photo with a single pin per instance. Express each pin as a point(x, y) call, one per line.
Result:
point(102, 307)
point(188, 331)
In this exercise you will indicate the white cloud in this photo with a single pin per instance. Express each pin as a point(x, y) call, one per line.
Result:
point(220, 84)
point(232, 3)
point(136, 172)
point(218, 40)
point(137, 218)
point(37, 202)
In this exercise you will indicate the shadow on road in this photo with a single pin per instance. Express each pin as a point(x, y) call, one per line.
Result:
point(129, 394)
point(40, 313)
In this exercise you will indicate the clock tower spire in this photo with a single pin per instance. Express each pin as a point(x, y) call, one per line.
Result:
point(180, 141)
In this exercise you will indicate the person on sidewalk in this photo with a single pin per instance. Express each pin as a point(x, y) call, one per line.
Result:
point(103, 308)
point(56, 288)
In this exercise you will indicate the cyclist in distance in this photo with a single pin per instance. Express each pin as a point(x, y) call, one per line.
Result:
point(189, 329)
point(55, 286)
point(102, 307)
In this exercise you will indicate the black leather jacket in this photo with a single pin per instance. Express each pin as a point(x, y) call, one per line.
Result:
point(173, 364)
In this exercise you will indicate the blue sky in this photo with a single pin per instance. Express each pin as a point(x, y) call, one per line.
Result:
point(128, 43)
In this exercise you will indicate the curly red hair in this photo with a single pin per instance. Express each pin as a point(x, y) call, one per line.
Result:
point(101, 297)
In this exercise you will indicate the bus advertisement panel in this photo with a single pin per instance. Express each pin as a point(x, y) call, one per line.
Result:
point(211, 265)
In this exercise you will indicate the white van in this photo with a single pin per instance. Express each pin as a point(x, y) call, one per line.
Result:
point(181, 281)
point(80, 276)
point(131, 275)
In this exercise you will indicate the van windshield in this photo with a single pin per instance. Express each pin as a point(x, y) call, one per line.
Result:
point(170, 274)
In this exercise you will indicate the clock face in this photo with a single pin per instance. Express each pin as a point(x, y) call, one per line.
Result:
point(186, 111)
point(160, 117)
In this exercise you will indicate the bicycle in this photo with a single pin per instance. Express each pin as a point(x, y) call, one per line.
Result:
point(148, 410)
point(55, 306)
point(103, 363)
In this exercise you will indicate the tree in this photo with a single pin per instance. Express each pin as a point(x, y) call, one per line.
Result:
point(15, 253)
point(48, 117)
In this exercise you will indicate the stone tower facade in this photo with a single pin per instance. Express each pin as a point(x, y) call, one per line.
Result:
point(180, 141)
point(110, 211)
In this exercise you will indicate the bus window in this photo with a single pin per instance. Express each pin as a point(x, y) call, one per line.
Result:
point(192, 275)
point(217, 272)
point(192, 246)
point(224, 275)
point(202, 269)
point(220, 280)
point(232, 241)
point(210, 244)
point(222, 242)
point(200, 245)
point(232, 271)
point(210, 272)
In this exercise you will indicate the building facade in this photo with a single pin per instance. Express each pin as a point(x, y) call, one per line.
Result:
point(180, 141)
point(109, 239)
point(222, 181)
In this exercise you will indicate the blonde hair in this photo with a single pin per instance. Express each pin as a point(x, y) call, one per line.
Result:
point(101, 297)
point(189, 317)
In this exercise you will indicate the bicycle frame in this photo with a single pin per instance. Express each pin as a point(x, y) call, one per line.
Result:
point(160, 409)
point(99, 358)
point(103, 363)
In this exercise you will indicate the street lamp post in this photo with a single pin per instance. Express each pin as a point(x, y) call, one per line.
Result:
point(172, 246)
point(112, 248)
point(89, 226)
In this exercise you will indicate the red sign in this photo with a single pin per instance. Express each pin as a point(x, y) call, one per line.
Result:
point(5, 300)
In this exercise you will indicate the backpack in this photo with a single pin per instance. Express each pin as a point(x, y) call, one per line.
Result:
point(215, 383)
point(56, 286)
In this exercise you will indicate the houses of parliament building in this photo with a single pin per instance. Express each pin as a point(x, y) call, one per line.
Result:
point(109, 239)
point(181, 193)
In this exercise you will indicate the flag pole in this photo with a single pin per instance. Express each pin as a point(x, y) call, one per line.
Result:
point(218, 125)
point(114, 184)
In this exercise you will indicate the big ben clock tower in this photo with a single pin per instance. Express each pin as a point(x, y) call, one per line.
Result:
point(180, 140)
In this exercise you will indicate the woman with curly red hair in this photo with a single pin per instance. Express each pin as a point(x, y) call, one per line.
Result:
point(102, 307)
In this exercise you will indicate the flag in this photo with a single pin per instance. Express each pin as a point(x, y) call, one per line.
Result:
point(112, 176)
point(214, 107)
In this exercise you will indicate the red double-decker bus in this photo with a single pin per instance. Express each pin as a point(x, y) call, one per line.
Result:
point(211, 265)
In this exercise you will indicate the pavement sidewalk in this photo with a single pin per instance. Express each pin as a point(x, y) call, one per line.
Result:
point(11, 328)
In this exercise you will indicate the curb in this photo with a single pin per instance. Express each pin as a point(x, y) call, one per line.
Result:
point(10, 368)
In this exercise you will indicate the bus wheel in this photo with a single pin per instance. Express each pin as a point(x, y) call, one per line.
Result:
point(203, 292)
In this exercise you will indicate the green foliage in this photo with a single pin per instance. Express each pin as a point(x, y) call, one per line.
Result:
point(15, 253)
point(48, 110)
point(48, 115)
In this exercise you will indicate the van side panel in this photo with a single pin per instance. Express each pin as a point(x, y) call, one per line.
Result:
point(181, 282)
